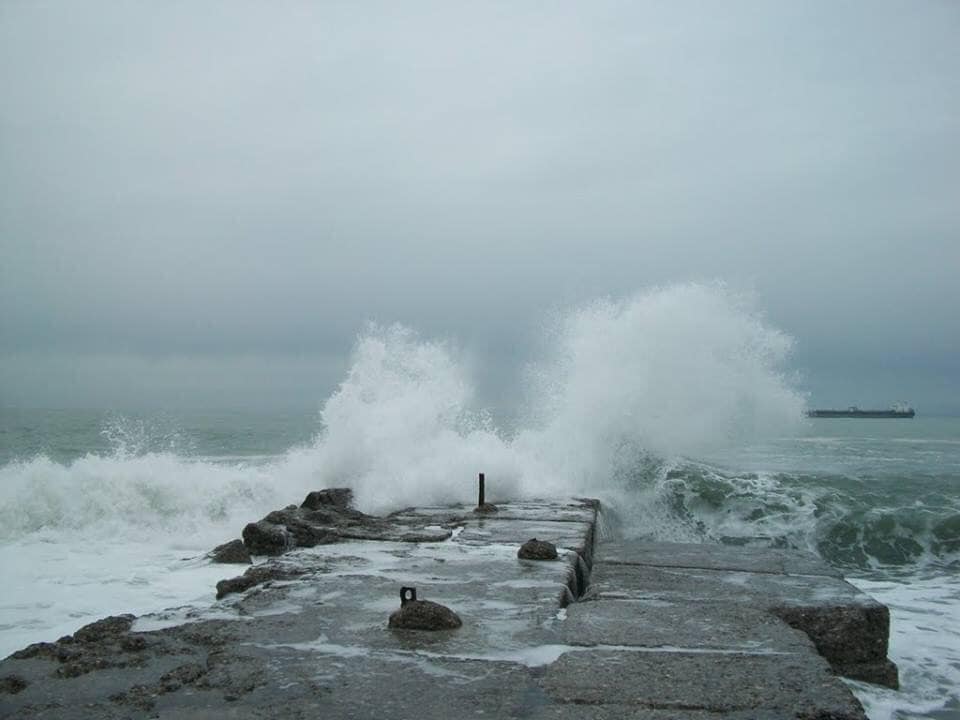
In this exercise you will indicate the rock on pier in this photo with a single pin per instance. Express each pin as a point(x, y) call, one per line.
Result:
point(608, 629)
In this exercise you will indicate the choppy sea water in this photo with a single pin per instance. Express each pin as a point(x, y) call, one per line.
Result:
point(104, 513)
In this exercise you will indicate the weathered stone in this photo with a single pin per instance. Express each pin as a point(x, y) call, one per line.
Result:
point(853, 637)
point(309, 527)
point(534, 549)
point(133, 643)
point(424, 615)
point(849, 628)
point(717, 626)
point(335, 497)
point(787, 684)
point(266, 538)
point(256, 575)
point(12, 684)
point(486, 508)
point(37, 650)
point(231, 552)
point(282, 516)
point(307, 535)
point(180, 676)
point(107, 628)
point(325, 517)
point(713, 557)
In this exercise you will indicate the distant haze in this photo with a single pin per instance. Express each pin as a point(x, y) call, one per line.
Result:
point(203, 203)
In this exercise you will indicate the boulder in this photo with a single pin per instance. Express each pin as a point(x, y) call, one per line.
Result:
point(231, 552)
point(534, 549)
point(302, 525)
point(330, 497)
point(424, 615)
point(324, 517)
point(102, 644)
point(12, 684)
point(267, 538)
point(256, 575)
point(109, 628)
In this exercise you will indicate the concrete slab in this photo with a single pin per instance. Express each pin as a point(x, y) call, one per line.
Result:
point(575, 536)
point(713, 557)
point(613, 711)
point(703, 681)
point(848, 627)
point(653, 624)
point(681, 583)
point(565, 510)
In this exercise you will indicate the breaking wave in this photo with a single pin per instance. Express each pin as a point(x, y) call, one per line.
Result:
point(671, 372)
point(864, 522)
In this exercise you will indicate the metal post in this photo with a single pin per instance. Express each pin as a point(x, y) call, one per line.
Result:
point(480, 501)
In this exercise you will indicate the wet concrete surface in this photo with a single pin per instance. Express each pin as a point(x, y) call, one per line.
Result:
point(679, 631)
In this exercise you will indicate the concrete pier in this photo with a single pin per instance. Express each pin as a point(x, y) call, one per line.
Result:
point(608, 630)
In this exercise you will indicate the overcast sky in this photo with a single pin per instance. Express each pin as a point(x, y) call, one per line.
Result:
point(201, 203)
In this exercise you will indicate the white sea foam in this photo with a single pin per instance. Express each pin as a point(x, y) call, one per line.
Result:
point(925, 644)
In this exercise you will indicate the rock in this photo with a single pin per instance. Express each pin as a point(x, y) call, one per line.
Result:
point(534, 549)
point(12, 684)
point(324, 517)
point(424, 615)
point(255, 576)
point(106, 643)
point(143, 697)
point(485, 508)
point(180, 676)
point(305, 530)
point(231, 552)
point(109, 628)
point(267, 538)
point(331, 497)
point(133, 643)
point(37, 650)
point(853, 637)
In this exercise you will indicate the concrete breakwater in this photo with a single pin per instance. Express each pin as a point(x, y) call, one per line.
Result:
point(609, 629)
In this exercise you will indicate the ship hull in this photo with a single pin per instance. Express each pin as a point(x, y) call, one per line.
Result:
point(861, 413)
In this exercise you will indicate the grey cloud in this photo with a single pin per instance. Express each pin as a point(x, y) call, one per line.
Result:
point(242, 180)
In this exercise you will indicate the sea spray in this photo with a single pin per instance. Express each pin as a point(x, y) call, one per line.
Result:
point(402, 428)
point(676, 371)
point(668, 372)
point(128, 497)
point(622, 387)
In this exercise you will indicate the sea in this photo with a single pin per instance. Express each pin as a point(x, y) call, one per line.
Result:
point(108, 511)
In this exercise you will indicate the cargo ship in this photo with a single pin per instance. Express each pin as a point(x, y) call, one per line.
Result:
point(898, 411)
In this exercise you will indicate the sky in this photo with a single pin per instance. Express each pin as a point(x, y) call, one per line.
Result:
point(202, 203)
